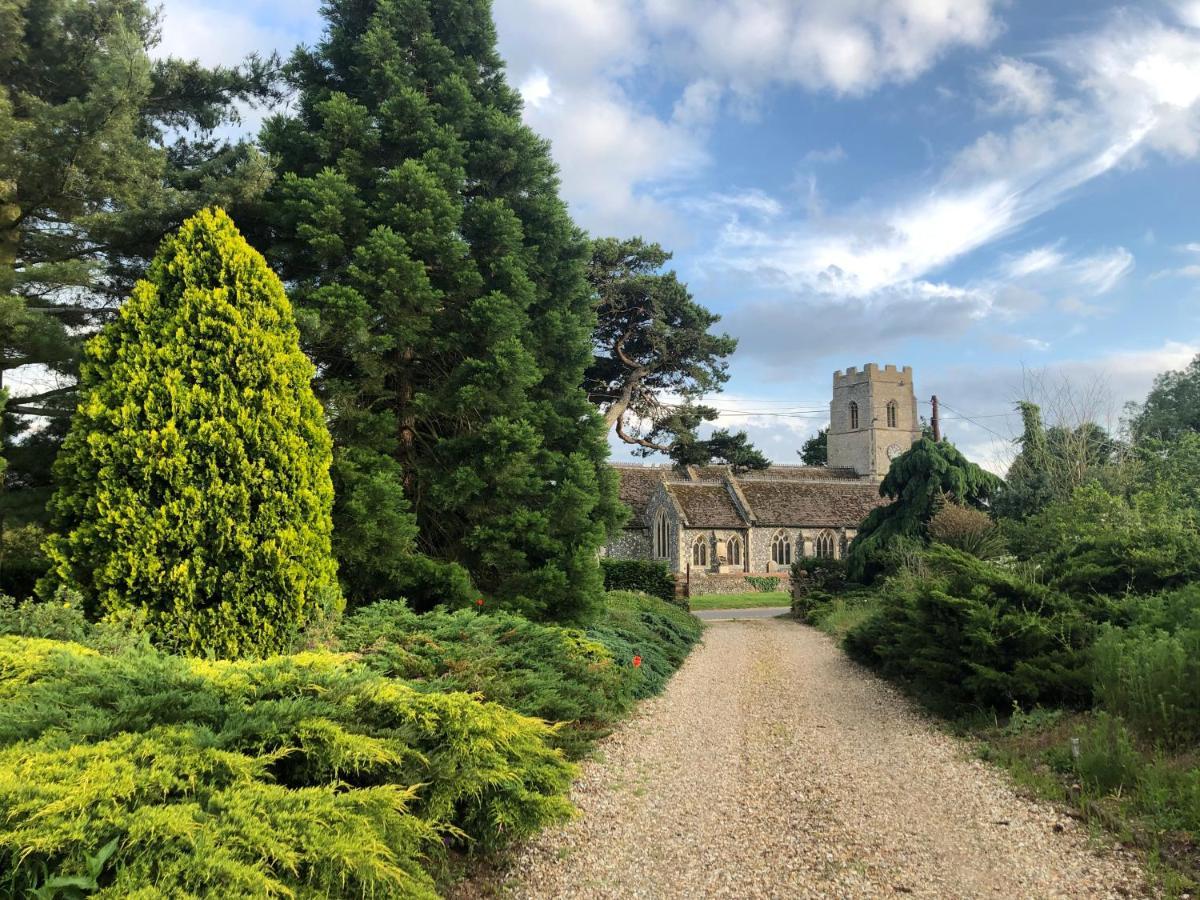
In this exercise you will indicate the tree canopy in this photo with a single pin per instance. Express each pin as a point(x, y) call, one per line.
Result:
point(103, 151)
point(1172, 407)
point(815, 451)
point(194, 482)
point(654, 357)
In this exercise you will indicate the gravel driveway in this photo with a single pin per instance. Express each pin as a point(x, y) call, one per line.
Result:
point(774, 767)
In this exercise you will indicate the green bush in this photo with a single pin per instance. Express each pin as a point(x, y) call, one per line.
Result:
point(965, 634)
point(554, 673)
point(651, 578)
point(968, 530)
point(1096, 542)
point(764, 584)
point(1108, 760)
point(304, 775)
point(22, 561)
point(194, 483)
point(660, 633)
point(1149, 671)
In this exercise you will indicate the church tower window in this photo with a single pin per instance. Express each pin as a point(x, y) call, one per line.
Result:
point(891, 414)
point(781, 549)
point(853, 415)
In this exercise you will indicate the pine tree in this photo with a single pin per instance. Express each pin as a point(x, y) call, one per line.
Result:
point(441, 286)
point(194, 482)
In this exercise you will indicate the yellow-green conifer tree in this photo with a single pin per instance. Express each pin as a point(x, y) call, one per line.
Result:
point(194, 484)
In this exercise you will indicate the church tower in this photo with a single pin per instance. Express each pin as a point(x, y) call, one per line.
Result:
point(872, 418)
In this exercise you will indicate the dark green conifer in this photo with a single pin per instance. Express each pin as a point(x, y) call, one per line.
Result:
point(441, 287)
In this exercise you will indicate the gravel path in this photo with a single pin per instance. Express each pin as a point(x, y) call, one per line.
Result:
point(774, 767)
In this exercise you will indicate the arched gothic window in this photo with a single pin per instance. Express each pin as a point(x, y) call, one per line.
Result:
point(824, 545)
point(733, 551)
point(853, 415)
point(781, 549)
point(700, 552)
point(662, 536)
point(891, 414)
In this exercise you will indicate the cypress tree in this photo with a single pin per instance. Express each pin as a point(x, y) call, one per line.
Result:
point(442, 289)
point(194, 482)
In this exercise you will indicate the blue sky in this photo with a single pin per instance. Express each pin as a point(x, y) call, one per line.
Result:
point(1001, 194)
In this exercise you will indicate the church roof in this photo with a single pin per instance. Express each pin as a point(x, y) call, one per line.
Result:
point(796, 496)
point(638, 484)
point(707, 505)
point(810, 503)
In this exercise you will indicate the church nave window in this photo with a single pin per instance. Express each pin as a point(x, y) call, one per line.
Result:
point(733, 551)
point(824, 545)
point(700, 552)
point(781, 549)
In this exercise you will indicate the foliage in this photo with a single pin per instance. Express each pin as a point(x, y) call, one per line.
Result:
point(307, 775)
point(1096, 542)
point(652, 342)
point(734, 450)
point(653, 578)
point(967, 634)
point(1172, 408)
point(441, 288)
point(1148, 672)
point(1052, 463)
point(916, 483)
point(637, 625)
point(102, 151)
point(815, 451)
point(547, 671)
point(194, 483)
point(820, 573)
point(764, 584)
point(22, 561)
point(968, 530)
point(836, 614)
point(1170, 469)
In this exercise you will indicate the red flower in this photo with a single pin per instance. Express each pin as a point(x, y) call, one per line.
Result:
point(479, 602)
point(637, 662)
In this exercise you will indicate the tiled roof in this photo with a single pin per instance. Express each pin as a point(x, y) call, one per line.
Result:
point(805, 473)
point(638, 484)
point(707, 505)
point(799, 502)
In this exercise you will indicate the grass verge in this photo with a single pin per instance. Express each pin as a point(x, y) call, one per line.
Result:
point(739, 601)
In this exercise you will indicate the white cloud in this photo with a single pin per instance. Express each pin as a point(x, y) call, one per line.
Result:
point(618, 156)
point(1018, 87)
point(1039, 259)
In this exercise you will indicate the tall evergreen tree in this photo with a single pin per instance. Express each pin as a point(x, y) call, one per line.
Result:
point(442, 293)
point(194, 482)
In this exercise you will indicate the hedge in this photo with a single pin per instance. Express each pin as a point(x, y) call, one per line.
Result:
point(651, 578)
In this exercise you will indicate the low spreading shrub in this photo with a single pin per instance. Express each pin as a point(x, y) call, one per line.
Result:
point(303, 775)
point(553, 673)
point(661, 634)
point(965, 634)
point(651, 578)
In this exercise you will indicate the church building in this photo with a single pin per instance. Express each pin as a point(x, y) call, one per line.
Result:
point(714, 528)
